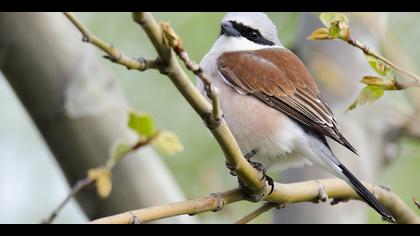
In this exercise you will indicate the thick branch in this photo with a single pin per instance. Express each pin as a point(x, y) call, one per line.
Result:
point(222, 133)
point(214, 202)
point(283, 195)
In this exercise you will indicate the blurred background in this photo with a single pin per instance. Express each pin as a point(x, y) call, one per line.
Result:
point(32, 183)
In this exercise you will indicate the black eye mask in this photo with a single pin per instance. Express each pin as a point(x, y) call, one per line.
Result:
point(251, 34)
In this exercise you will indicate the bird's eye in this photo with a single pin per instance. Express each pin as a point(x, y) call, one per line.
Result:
point(254, 34)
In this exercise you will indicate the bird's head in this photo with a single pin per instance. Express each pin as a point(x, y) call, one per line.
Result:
point(246, 31)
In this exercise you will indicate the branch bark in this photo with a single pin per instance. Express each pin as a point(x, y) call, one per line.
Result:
point(284, 194)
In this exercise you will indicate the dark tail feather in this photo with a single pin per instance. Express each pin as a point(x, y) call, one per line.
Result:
point(366, 195)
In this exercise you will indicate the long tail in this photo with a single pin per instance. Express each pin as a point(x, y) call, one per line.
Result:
point(327, 160)
point(365, 194)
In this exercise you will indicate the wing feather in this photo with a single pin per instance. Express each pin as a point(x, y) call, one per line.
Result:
point(279, 78)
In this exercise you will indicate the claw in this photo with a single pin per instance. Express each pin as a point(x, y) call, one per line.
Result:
point(270, 182)
point(322, 194)
point(135, 220)
point(231, 168)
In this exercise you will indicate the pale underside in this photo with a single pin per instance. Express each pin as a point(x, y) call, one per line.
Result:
point(271, 133)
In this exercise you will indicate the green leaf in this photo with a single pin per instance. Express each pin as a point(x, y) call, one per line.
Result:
point(334, 31)
point(380, 67)
point(319, 34)
point(337, 23)
point(141, 123)
point(167, 143)
point(102, 178)
point(367, 95)
point(328, 17)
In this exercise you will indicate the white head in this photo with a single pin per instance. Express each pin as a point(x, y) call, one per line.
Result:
point(246, 31)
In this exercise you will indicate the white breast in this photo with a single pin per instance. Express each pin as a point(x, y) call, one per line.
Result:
point(254, 125)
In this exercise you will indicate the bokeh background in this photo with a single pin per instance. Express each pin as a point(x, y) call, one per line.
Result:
point(31, 182)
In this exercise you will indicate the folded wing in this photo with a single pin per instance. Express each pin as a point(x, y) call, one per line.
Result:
point(278, 78)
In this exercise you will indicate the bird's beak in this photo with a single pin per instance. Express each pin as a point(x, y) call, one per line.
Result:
point(229, 30)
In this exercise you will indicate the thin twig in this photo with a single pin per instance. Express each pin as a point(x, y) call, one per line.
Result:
point(259, 211)
point(366, 50)
point(113, 54)
point(176, 43)
point(83, 183)
point(110, 164)
point(80, 184)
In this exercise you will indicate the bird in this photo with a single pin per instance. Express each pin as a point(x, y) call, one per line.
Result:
point(272, 104)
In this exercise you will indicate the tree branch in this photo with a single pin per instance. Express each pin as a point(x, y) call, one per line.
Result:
point(401, 85)
point(251, 177)
point(284, 194)
point(113, 54)
point(80, 184)
point(176, 43)
point(214, 202)
point(260, 210)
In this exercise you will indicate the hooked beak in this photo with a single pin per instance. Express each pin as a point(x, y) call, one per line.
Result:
point(229, 30)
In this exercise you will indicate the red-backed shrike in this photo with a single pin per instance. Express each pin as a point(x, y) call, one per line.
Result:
point(271, 102)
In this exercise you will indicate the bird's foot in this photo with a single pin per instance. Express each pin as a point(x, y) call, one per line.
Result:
point(231, 168)
point(247, 156)
point(260, 168)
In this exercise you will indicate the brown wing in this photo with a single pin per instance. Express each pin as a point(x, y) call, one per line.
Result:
point(280, 79)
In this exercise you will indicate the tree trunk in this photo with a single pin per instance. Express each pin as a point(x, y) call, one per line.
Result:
point(78, 107)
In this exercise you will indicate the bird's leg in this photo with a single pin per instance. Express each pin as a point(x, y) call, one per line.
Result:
point(260, 168)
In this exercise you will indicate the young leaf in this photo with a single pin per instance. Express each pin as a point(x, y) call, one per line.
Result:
point(328, 17)
point(319, 34)
point(338, 25)
point(380, 67)
point(167, 143)
point(141, 123)
point(173, 39)
point(367, 95)
point(102, 178)
point(385, 84)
